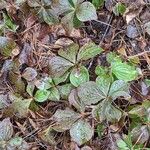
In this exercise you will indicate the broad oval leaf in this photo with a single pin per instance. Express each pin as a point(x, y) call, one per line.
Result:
point(6, 130)
point(81, 132)
point(138, 110)
point(41, 95)
point(119, 88)
point(60, 79)
point(86, 12)
point(79, 75)
point(65, 90)
point(48, 16)
point(64, 119)
point(89, 50)
point(54, 94)
point(123, 71)
point(106, 111)
point(89, 93)
point(58, 66)
point(70, 52)
point(104, 83)
point(6, 46)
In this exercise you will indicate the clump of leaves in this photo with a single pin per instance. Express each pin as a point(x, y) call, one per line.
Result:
point(44, 10)
point(48, 88)
point(67, 64)
point(73, 12)
point(7, 141)
point(104, 91)
point(70, 60)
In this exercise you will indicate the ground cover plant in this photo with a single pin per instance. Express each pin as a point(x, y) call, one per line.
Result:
point(74, 75)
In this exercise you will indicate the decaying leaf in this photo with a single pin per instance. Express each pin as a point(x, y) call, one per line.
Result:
point(6, 46)
point(81, 132)
point(64, 119)
point(6, 130)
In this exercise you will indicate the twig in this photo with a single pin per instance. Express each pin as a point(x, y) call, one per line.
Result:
point(106, 30)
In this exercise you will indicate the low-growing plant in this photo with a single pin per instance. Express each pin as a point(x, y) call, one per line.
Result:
point(71, 12)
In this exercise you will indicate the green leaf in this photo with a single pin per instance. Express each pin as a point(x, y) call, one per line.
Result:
point(75, 2)
point(81, 132)
point(6, 129)
point(64, 119)
point(79, 75)
point(106, 111)
point(119, 9)
point(70, 52)
point(30, 88)
point(76, 22)
point(58, 66)
point(119, 88)
point(147, 81)
point(101, 71)
point(123, 71)
point(104, 83)
point(86, 12)
point(63, 78)
point(98, 3)
point(122, 145)
point(49, 17)
point(8, 23)
point(89, 93)
point(112, 57)
point(138, 110)
point(16, 141)
point(65, 90)
point(89, 50)
point(54, 94)
point(6, 46)
point(41, 95)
